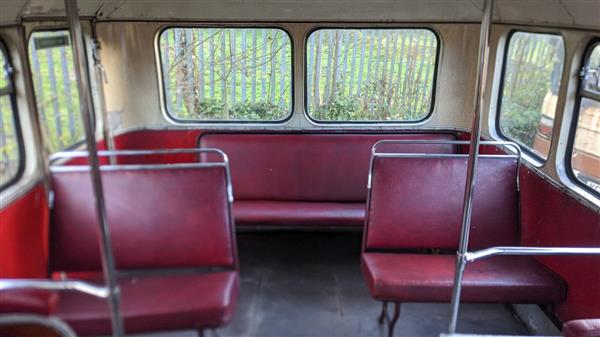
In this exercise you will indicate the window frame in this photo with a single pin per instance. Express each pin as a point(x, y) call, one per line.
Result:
point(525, 149)
point(17, 122)
point(161, 84)
point(581, 93)
point(373, 122)
point(35, 98)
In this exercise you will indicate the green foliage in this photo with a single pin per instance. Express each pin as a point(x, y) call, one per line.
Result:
point(341, 108)
point(9, 152)
point(257, 111)
point(533, 69)
point(522, 111)
point(214, 109)
point(377, 102)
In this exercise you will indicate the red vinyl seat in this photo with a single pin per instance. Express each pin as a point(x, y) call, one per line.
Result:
point(429, 278)
point(582, 328)
point(306, 179)
point(275, 213)
point(157, 303)
point(415, 203)
point(164, 219)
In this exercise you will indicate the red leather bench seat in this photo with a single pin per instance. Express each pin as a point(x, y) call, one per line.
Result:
point(167, 218)
point(298, 213)
point(416, 203)
point(582, 328)
point(429, 278)
point(157, 303)
point(297, 179)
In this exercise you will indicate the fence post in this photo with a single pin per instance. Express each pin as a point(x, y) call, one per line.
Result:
point(254, 65)
point(243, 66)
point(54, 90)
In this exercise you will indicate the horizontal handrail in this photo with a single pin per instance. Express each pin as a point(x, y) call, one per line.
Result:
point(374, 152)
point(508, 250)
point(117, 167)
point(59, 285)
point(480, 335)
point(105, 153)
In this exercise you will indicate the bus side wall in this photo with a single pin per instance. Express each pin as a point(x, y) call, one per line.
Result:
point(552, 218)
point(24, 236)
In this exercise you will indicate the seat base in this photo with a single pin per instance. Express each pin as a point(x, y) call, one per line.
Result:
point(157, 303)
point(582, 328)
point(429, 278)
point(295, 213)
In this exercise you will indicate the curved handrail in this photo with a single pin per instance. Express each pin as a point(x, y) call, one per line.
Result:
point(516, 250)
point(61, 285)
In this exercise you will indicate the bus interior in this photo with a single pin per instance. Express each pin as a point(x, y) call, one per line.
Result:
point(299, 168)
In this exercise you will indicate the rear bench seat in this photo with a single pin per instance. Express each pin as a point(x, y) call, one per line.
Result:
point(415, 203)
point(305, 179)
point(160, 219)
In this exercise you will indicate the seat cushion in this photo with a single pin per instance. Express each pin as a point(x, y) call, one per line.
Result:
point(289, 213)
point(429, 278)
point(157, 303)
point(416, 202)
point(185, 206)
point(582, 328)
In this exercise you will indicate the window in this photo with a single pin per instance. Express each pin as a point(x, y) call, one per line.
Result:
point(11, 148)
point(533, 67)
point(226, 74)
point(55, 85)
point(377, 75)
point(585, 156)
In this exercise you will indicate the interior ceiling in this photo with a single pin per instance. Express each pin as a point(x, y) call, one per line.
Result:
point(563, 13)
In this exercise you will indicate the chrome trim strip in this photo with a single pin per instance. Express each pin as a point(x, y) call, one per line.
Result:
point(109, 168)
point(74, 285)
point(83, 154)
point(509, 250)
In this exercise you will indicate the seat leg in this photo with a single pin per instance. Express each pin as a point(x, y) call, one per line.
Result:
point(394, 319)
point(384, 313)
point(200, 332)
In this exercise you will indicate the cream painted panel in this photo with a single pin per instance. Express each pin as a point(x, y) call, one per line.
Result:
point(565, 13)
point(134, 98)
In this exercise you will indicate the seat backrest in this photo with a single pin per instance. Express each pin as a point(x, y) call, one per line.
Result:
point(171, 217)
point(417, 202)
point(307, 167)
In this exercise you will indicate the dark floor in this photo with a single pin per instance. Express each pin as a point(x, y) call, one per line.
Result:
point(310, 284)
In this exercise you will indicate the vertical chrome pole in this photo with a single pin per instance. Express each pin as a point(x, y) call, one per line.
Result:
point(484, 37)
point(86, 107)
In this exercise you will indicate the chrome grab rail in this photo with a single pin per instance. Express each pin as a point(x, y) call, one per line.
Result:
point(57, 285)
point(512, 250)
point(114, 167)
point(86, 106)
point(374, 152)
point(105, 153)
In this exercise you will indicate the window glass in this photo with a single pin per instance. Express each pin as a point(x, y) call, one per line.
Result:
point(533, 69)
point(585, 159)
point(226, 74)
point(370, 74)
point(10, 150)
point(54, 79)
